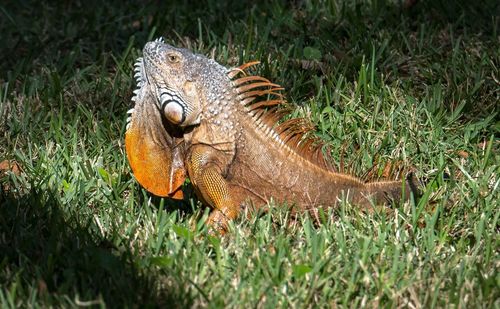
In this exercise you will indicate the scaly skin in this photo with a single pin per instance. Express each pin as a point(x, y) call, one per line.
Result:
point(234, 153)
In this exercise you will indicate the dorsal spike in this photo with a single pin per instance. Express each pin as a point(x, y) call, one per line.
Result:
point(295, 133)
point(307, 147)
point(271, 116)
point(318, 156)
point(247, 87)
point(251, 78)
point(259, 93)
point(241, 69)
point(266, 103)
point(248, 100)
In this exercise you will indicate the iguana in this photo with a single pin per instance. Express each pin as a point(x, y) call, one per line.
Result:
point(224, 130)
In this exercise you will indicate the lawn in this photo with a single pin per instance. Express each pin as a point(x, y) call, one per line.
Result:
point(382, 82)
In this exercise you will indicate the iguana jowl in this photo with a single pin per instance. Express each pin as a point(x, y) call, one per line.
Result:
point(194, 117)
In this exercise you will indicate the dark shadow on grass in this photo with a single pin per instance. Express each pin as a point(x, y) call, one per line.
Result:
point(66, 37)
point(44, 247)
point(69, 35)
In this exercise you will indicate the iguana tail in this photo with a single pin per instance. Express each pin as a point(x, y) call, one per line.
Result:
point(384, 192)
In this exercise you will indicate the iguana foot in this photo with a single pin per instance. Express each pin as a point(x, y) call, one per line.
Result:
point(217, 223)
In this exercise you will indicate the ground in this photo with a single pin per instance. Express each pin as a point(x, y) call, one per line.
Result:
point(383, 82)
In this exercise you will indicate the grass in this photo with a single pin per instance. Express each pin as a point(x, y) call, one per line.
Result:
point(419, 85)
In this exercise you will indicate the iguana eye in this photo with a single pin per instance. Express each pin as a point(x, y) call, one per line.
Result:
point(173, 58)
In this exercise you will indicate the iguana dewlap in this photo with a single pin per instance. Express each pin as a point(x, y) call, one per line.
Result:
point(231, 139)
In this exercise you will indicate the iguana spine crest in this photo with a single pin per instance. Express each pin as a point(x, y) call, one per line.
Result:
point(294, 135)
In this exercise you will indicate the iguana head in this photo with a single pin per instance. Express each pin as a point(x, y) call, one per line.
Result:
point(179, 79)
point(153, 141)
point(167, 70)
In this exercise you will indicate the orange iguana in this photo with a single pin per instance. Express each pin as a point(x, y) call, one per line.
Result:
point(195, 118)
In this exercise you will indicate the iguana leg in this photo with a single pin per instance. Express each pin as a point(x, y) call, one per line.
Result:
point(206, 176)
